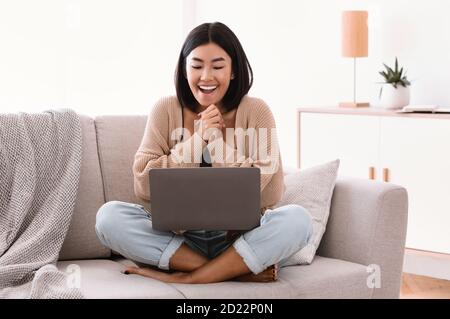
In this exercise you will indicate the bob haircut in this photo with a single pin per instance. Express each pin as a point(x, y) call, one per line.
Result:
point(221, 35)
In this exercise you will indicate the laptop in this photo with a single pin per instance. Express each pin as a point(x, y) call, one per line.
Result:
point(207, 198)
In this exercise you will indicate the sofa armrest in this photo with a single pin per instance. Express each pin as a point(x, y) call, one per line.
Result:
point(367, 225)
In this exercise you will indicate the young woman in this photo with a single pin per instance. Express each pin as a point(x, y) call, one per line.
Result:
point(212, 80)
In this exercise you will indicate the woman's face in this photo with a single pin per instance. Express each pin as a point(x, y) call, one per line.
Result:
point(208, 71)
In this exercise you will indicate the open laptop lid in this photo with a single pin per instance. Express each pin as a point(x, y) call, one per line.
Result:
point(208, 198)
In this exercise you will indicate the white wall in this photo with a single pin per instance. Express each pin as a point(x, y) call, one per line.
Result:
point(294, 49)
point(95, 56)
point(117, 56)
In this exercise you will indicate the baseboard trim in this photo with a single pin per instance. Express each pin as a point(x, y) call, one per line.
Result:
point(427, 263)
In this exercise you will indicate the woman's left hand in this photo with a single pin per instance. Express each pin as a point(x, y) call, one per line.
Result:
point(211, 119)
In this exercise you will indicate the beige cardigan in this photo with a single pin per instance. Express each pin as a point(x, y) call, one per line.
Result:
point(161, 147)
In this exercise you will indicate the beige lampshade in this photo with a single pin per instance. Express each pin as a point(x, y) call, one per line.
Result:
point(354, 34)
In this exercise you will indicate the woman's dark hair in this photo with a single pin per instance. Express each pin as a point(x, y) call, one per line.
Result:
point(221, 35)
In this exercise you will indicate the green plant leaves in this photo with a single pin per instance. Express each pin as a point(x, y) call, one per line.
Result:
point(394, 77)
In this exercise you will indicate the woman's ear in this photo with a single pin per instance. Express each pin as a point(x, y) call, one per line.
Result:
point(232, 76)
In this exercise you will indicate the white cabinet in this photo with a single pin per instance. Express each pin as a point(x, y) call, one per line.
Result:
point(352, 139)
point(417, 154)
point(411, 151)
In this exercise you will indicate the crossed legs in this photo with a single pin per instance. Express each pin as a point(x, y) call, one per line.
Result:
point(195, 268)
point(127, 229)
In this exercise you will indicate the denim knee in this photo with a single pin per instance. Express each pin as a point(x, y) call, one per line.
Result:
point(296, 224)
point(108, 217)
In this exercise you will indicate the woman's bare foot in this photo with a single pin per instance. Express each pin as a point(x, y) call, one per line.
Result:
point(174, 277)
point(269, 274)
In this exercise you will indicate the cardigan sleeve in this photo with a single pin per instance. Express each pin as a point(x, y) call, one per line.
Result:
point(154, 150)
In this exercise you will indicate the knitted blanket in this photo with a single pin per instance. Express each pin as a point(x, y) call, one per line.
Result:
point(40, 158)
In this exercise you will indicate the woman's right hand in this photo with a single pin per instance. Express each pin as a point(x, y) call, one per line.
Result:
point(211, 119)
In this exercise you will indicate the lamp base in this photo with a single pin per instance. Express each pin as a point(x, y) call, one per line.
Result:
point(354, 104)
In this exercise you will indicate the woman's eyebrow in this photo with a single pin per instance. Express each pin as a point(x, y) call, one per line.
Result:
point(213, 60)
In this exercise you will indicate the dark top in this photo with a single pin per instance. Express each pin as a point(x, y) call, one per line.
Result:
point(205, 159)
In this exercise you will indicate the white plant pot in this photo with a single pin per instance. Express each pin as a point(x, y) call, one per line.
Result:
point(394, 98)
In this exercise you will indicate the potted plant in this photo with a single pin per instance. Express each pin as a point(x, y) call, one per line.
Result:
point(394, 93)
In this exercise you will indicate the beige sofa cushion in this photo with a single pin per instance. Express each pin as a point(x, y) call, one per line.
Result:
point(311, 188)
point(324, 278)
point(104, 279)
point(118, 139)
point(81, 240)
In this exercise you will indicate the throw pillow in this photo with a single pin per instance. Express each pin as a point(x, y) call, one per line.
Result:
point(311, 188)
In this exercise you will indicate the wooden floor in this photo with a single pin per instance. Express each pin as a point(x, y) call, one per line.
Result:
point(415, 286)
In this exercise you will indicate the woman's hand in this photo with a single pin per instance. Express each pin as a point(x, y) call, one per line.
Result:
point(211, 119)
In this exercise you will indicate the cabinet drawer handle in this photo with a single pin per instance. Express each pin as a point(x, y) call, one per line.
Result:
point(371, 172)
point(386, 174)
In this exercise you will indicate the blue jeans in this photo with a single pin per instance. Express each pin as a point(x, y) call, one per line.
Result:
point(126, 228)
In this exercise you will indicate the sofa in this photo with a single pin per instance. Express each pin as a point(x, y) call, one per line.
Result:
point(360, 255)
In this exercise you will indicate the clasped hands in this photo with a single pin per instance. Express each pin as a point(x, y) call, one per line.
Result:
point(210, 119)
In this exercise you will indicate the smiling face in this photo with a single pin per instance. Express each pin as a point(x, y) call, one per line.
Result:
point(208, 71)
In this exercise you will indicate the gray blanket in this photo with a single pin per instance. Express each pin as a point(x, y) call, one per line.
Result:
point(40, 158)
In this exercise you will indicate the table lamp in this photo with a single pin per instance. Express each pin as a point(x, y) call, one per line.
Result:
point(354, 45)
